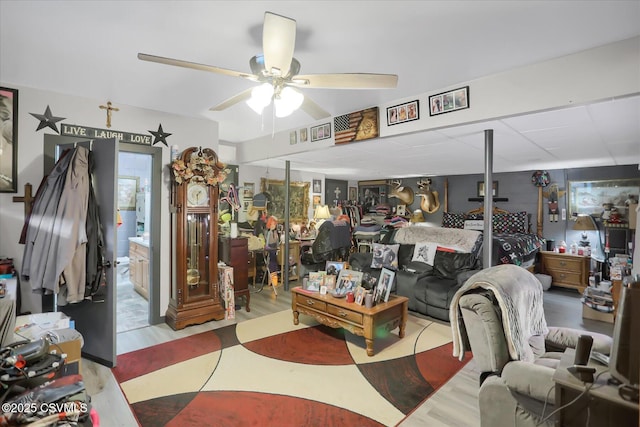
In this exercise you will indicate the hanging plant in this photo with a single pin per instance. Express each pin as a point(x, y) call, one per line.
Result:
point(200, 169)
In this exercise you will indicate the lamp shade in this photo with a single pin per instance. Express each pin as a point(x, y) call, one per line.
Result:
point(584, 222)
point(322, 212)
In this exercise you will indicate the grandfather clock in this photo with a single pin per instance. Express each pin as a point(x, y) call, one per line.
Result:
point(195, 296)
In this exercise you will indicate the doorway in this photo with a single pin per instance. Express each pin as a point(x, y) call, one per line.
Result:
point(107, 323)
point(133, 241)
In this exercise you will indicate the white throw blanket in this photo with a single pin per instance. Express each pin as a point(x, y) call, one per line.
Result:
point(461, 240)
point(519, 295)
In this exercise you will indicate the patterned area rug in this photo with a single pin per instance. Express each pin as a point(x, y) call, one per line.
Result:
point(269, 372)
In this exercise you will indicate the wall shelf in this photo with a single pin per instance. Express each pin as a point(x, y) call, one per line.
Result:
point(495, 199)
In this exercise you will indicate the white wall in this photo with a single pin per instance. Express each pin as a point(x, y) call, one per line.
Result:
point(186, 132)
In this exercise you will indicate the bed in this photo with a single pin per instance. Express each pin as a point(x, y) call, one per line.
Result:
point(513, 243)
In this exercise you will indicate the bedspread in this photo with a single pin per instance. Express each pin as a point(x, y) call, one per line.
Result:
point(515, 248)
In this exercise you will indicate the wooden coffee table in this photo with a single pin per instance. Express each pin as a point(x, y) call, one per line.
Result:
point(355, 318)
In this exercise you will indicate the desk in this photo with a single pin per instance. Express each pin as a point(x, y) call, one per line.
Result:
point(605, 405)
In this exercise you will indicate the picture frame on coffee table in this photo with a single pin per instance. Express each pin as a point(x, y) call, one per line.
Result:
point(384, 285)
point(348, 281)
point(334, 267)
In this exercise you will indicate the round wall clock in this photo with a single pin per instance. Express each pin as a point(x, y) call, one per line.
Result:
point(197, 194)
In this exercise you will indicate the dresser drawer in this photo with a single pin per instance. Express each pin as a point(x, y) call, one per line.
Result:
point(565, 263)
point(566, 277)
point(311, 303)
point(345, 314)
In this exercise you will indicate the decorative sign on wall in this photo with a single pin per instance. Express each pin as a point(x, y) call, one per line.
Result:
point(84, 131)
point(356, 126)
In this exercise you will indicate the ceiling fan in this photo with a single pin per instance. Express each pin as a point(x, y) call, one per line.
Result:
point(277, 71)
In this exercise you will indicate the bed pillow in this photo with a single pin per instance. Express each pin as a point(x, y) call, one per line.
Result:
point(452, 220)
point(425, 252)
point(510, 222)
point(385, 256)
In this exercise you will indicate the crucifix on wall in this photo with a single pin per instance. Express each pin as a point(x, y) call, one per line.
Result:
point(337, 193)
point(109, 109)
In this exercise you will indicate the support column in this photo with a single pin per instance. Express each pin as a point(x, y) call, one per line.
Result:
point(488, 199)
point(287, 195)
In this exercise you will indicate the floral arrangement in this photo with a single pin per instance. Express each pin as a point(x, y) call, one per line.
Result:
point(200, 168)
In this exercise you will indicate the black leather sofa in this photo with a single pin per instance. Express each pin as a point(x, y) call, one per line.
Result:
point(429, 288)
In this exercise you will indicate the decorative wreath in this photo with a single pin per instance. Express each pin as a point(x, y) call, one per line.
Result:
point(200, 169)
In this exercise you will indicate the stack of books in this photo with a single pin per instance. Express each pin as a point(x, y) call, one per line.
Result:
point(597, 299)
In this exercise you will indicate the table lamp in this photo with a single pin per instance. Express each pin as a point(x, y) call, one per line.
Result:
point(321, 214)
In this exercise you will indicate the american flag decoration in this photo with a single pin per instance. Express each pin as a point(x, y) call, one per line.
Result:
point(356, 126)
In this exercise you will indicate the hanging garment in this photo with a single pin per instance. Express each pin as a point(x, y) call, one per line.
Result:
point(56, 239)
point(39, 224)
point(95, 242)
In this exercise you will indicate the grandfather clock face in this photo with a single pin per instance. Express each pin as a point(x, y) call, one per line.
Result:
point(197, 194)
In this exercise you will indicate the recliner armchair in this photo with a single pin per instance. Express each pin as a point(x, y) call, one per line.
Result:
point(513, 391)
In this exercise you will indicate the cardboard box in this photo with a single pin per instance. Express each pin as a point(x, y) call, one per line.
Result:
point(590, 313)
point(33, 326)
point(73, 350)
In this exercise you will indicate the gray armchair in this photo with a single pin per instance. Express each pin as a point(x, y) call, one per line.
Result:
point(514, 387)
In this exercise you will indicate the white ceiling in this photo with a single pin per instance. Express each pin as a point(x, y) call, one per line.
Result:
point(89, 49)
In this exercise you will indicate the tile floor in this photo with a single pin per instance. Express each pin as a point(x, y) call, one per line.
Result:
point(132, 311)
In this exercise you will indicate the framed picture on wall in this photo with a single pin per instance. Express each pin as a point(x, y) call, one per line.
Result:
point(127, 190)
point(590, 197)
point(8, 140)
point(481, 190)
point(403, 113)
point(317, 186)
point(353, 193)
point(446, 102)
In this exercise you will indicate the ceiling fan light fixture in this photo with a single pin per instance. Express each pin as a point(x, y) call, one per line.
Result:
point(287, 101)
point(260, 97)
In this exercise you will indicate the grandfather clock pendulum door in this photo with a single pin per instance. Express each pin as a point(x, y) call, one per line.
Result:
point(195, 296)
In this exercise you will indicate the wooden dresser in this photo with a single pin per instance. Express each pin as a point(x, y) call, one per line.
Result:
point(235, 253)
point(566, 270)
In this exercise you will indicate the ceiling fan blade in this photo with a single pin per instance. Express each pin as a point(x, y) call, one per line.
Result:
point(314, 110)
point(278, 42)
point(196, 66)
point(242, 96)
point(345, 81)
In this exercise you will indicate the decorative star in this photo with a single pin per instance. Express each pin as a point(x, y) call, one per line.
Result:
point(47, 120)
point(160, 136)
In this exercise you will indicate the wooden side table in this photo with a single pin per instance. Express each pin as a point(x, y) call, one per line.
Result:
point(601, 402)
point(566, 270)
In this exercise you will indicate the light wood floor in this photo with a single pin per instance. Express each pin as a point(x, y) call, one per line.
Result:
point(454, 404)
